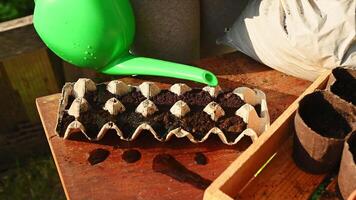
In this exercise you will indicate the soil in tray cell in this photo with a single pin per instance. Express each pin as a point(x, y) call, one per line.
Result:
point(196, 97)
point(230, 100)
point(165, 97)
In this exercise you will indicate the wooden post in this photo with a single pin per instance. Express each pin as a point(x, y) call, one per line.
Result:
point(27, 71)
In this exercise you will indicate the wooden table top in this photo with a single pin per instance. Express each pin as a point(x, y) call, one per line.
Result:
point(116, 179)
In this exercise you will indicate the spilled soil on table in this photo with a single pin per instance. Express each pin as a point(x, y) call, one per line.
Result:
point(168, 165)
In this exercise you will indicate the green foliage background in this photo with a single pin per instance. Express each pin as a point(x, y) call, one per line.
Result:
point(35, 178)
point(10, 9)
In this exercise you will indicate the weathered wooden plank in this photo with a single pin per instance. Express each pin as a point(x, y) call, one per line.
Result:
point(57, 67)
point(18, 41)
point(16, 23)
point(31, 76)
point(11, 106)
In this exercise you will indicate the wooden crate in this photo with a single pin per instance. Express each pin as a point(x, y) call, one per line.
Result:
point(266, 169)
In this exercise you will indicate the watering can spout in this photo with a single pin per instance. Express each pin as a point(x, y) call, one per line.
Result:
point(132, 65)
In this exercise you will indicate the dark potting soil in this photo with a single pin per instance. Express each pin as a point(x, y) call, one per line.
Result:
point(133, 98)
point(352, 145)
point(97, 156)
point(321, 117)
point(196, 97)
point(91, 123)
point(131, 156)
point(234, 124)
point(229, 100)
point(197, 122)
point(168, 165)
point(200, 158)
point(165, 97)
point(103, 95)
point(64, 123)
point(70, 101)
point(345, 84)
point(258, 109)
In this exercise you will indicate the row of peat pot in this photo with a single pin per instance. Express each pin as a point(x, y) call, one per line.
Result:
point(325, 125)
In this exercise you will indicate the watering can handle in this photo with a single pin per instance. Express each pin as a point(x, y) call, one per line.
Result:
point(132, 65)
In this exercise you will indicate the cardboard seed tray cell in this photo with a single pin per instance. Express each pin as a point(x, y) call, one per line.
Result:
point(96, 109)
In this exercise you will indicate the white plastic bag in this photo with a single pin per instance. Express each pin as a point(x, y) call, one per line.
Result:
point(298, 37)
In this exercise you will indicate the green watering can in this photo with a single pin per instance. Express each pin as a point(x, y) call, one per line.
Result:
point(98, 34)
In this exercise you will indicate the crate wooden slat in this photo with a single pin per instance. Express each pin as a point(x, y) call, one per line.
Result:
point(16, 23)
point(17, 37)
point(233, 180)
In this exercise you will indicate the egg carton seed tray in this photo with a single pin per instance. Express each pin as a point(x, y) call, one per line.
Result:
point(94, 109)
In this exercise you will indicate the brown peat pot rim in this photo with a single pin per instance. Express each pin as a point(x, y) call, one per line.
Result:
point(301, 121)
point(343, 79)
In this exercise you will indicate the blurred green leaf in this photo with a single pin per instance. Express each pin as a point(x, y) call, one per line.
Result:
point(11, 9)
point(35, 179)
